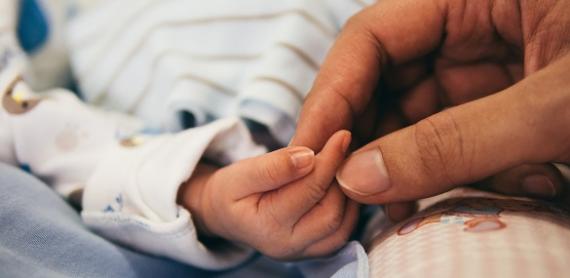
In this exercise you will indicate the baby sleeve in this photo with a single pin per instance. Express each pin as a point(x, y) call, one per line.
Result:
point(128, 178)
point(142, 212)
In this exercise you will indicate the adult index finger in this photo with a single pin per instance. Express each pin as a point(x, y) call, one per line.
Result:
point(389, 32)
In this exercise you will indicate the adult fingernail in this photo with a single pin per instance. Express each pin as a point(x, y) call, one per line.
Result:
point(364, 173)
point(302, 157)
point(538, 185)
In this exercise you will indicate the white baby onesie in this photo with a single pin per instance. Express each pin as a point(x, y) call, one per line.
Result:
point(129, 180)
point(254, 59)
point(250, 59)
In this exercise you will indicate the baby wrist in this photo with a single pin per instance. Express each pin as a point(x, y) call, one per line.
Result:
point(192, 196)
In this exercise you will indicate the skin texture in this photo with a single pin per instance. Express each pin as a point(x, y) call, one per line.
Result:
point(450, 92)
point(287, 210)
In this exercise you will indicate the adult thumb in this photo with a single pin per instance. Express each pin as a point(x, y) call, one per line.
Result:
point(459, 145)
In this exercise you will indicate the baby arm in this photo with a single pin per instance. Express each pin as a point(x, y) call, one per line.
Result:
point(284, 204)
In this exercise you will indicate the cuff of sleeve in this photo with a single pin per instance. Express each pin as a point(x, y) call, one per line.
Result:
point(131, 198)
point(280, 125)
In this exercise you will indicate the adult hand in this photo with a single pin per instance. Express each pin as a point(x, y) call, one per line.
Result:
point(433, 54)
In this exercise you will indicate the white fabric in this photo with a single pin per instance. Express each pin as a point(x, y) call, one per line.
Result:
point(143, 212)
point(253, 59)
point(130, 181)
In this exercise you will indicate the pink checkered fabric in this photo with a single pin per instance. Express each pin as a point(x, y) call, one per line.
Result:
point(476, 237)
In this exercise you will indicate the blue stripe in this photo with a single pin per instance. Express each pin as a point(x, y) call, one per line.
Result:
point(33, 28)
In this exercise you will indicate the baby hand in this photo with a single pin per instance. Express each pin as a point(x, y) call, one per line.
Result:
point(284, 204)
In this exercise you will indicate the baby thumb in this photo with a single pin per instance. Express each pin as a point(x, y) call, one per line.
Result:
point(270, 171)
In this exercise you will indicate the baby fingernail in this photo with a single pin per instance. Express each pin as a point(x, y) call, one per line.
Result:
point(364, 173)
point(539, 185)
point(302, 157)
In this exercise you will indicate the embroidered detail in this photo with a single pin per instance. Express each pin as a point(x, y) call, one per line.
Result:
point(116, 206)
point(119, 200)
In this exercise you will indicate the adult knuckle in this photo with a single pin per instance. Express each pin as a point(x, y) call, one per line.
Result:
point(441, 145)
